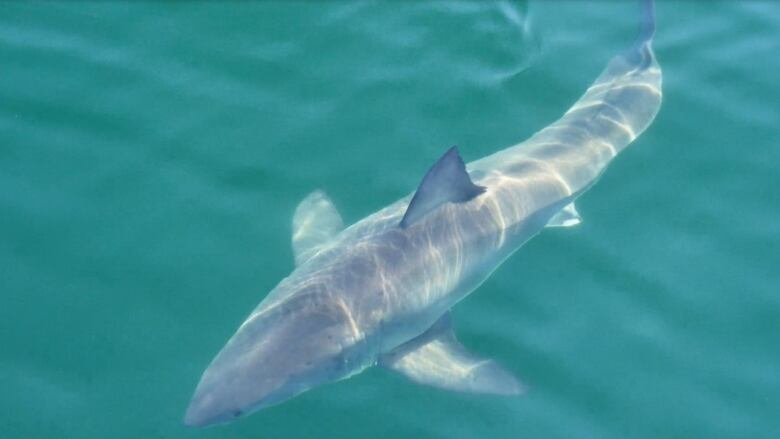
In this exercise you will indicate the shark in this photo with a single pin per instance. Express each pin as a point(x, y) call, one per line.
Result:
point(379, 292)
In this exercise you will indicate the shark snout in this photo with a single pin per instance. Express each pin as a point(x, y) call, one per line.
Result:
point(217, 402)
point(226, 392)
point(274, 357)
point(196, 415)
point(205, 410)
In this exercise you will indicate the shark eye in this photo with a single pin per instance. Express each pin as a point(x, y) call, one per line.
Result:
point(237, 413)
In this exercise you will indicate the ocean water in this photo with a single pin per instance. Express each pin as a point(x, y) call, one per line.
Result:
point(152, 154)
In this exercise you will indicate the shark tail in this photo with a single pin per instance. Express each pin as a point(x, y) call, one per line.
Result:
point(620, 104)
point(647, 22)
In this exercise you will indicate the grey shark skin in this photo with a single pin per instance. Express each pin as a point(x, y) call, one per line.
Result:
point(379, 291)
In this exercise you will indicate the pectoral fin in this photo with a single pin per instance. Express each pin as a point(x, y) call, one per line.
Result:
point(436, 358)
point(566, 217)
point(315, 222)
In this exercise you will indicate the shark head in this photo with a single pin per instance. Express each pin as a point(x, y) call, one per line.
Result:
point(280, 351)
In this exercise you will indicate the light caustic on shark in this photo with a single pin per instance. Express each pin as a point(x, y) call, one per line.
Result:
point(379, 291)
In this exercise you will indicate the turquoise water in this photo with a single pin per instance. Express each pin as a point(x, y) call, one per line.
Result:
point(151, 156)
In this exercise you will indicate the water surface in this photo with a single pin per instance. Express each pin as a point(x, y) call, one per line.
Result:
point(152, 154)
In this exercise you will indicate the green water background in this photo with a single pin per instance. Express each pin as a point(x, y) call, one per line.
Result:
point(151, 155)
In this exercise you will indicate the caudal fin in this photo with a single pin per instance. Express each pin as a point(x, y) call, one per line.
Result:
point(641, 53)
point(647, 21)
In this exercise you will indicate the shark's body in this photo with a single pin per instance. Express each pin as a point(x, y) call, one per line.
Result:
point(379, 291)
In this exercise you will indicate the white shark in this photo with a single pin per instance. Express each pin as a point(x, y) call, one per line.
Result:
point(379, 291)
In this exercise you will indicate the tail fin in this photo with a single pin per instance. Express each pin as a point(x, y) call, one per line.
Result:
point(641, 53)
point(647, 23)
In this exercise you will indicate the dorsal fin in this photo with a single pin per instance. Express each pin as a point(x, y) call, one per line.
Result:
point(446, 182)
